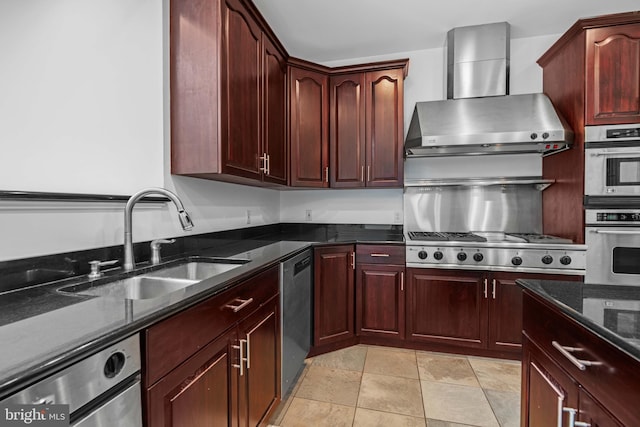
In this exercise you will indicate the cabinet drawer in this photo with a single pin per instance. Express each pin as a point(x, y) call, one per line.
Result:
point(173, 340)
point(380, 254)
point(614, 381)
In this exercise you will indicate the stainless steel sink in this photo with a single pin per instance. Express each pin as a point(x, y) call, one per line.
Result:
point(160, 282)
point(139, 287)
point(194, 270)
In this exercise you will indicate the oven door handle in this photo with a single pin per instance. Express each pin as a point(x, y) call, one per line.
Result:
point(627, 232)
point(615, 153)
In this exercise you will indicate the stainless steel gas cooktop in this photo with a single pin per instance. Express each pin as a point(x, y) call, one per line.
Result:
point(527, 252)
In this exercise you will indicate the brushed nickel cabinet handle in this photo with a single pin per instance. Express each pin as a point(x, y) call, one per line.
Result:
point(268, 162)
point(243, 304)
point(485, 288)
point(572, 418)
point(567, 352)
point(368, 173)
point(241, 357)
point(361, 173)
point(353, 260)
point(326, 174)
point(263, 163)
point(379, 255)
point(402, 281)
point(493, 291)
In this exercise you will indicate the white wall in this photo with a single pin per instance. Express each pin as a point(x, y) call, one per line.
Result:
point(96, 122)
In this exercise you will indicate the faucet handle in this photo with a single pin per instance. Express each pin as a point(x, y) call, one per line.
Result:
point(155, 249)
point(95, 267)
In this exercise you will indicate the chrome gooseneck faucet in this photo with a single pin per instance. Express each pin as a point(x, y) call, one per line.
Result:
point(185, 221)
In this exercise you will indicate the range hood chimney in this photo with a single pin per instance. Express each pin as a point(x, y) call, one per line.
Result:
point(479, 116)
point(478, 61)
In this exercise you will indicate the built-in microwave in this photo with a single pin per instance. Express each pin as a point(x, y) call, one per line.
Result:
point(612, 161)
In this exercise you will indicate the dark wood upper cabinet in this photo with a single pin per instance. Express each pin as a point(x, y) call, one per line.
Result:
point(228, 92)
point(384, 99)
point(592, 76)
point(308, 125)
point(347, 130)
point(613, 75)
point(350, 116)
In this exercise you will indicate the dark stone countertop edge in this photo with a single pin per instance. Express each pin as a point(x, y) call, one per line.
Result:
point(605, 334)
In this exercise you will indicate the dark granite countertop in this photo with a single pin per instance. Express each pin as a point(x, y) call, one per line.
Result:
point(43, 330)
point(606, 310)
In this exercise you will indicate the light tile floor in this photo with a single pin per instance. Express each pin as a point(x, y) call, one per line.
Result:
point(370, 386)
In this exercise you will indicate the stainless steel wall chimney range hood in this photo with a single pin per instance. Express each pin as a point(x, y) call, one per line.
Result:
point(480, 117)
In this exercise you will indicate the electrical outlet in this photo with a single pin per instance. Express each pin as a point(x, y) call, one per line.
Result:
point(248, 216)
point(308, 215)
point(396, 217)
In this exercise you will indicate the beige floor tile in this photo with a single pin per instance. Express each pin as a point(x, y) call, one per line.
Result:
point(440, 423)
point(446, 369)
point(394, 363)
point(457, 403)
point(496, 374)
point(330, 385)
point(369, 418)
point(305, 413)
point(506, 407)
point(350, 358)
point(391, 394)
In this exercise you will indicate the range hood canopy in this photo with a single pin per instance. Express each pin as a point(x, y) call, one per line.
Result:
point(483, 118)
point(494, 125)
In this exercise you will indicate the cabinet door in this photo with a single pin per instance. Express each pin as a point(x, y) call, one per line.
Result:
point(613, 75)
point(505, 312)
point(446, 307)
point(275, 89)
point(259, 387)
point(384, 99)
point(593, 413)
point(241, 100)
point(546, 390)
point(199, 393)
point(347, 130)
point(333, 294)
point(308, 128)
point(380, 300)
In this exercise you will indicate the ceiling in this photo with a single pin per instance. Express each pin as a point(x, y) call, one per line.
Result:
point(331, 30)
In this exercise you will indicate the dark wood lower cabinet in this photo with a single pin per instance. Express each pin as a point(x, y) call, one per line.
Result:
point(197, 393)
point(259, 383)
point(334, 294)
point(380, 300)
point(446, 307)
point(223, 357)
point(554, 387)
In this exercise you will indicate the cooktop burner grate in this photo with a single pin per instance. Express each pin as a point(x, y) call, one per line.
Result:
point(445, 236)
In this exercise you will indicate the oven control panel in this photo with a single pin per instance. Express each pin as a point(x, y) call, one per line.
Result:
point(612, 216)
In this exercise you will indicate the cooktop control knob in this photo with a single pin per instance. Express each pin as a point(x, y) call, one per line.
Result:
point(462, 256)
point(438, 255)
point(534, 135)
point(516, 260)
point(545, 135)
point(565, 260)
point(422, 255)
point(477, 257)
point(547, 259)
point(114, 364)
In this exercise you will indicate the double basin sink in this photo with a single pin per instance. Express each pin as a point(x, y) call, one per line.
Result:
point(160, 282)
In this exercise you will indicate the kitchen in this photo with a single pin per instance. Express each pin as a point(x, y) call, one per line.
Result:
point(214, 206)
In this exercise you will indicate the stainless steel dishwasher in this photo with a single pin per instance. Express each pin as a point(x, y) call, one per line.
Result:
point(101, 390)
point(295, 320)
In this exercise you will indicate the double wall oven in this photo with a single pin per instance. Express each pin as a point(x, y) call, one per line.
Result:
point(612, 204)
